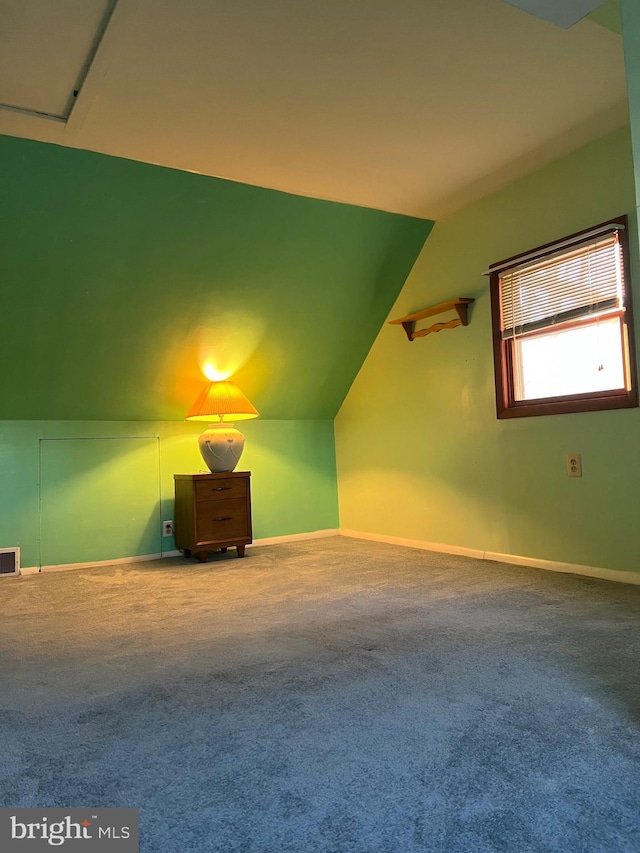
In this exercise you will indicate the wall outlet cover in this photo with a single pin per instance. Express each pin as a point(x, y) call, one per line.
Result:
point(574, 465)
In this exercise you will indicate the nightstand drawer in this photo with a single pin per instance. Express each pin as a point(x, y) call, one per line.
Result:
point(220, 520)
point(216, 490)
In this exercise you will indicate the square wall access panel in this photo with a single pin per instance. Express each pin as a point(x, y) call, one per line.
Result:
point(46, 51)
point(99, 499)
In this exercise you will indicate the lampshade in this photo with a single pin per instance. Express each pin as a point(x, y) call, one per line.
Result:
point(223, 401)
point(221, 445)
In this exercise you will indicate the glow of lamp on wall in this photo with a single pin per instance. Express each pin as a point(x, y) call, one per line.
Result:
point(221, 445)
point(213, 374)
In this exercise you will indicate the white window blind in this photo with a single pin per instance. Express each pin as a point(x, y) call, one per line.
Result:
point(569, 284)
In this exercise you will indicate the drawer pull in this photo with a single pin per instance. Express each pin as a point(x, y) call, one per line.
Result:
point(223, 518)
point(220, 488)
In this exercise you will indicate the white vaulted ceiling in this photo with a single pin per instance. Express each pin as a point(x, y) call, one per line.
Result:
point(412, 106)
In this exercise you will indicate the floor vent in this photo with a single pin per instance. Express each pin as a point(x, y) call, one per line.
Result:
point(9, 561)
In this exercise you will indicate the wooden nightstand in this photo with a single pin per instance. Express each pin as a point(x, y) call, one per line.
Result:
point(213, 511)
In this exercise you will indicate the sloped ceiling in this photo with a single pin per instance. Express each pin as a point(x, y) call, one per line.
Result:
point(412, 106)
point(120, 281)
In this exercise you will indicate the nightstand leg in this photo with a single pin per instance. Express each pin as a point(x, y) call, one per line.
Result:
point(240, 549)
point(187, 553)
point(202, 556)
point(224, 550)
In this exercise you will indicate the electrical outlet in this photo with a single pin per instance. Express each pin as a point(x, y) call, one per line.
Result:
point(574, 465)
point(167, 528)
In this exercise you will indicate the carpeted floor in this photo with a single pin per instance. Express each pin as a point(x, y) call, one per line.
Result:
point(331, 696)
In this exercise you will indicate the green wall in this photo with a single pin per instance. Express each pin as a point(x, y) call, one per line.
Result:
point(119, 278)
point(119, 281)
point(62, 493)
point(420, 452)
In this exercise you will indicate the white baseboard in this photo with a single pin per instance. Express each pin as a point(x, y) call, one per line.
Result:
point(277, 540)
point(273, 540)
point(296, 537)
point(569, 568)
point(533, 562)
point(63, 567)
point(414, 543)
point(440, 547)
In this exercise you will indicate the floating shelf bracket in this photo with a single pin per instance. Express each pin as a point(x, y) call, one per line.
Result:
point(458, 305)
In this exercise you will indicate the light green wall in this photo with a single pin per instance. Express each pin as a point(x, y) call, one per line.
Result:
point(293, 483)
point(420, 452)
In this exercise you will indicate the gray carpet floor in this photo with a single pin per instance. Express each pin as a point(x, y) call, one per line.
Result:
point(334, 696)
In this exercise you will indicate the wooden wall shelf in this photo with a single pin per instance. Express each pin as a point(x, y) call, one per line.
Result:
point(408, 323)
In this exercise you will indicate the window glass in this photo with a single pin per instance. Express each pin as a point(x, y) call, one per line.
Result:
point(581, 360)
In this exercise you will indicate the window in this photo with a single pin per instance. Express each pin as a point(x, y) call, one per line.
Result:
point(563, 327)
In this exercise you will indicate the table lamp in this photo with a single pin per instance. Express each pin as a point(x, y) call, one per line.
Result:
point(221, 445)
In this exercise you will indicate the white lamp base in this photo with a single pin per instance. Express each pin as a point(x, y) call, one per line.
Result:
point(221, 447)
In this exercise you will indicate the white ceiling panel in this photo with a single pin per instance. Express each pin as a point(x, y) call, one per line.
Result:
point(45, 47)
point(564, 13)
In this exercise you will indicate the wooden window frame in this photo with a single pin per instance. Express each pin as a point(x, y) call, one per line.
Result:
point(506, 404)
